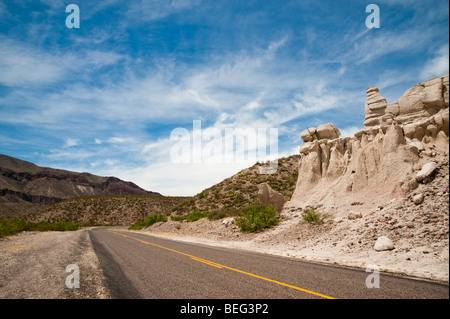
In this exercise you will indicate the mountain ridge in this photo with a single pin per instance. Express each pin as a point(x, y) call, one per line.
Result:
point(26, 187)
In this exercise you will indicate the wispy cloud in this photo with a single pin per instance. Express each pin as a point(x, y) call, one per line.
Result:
point(438, 65)
point(71, 142)
point(157, 9)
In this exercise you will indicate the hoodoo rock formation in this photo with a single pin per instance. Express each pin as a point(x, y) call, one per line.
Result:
point(381, 161)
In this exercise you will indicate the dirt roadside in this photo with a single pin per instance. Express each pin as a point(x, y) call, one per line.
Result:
point(33, 266)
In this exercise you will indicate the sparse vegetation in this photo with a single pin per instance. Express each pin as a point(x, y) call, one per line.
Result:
point(148, 221)
point(312, 215)
point(13, 226)
point(257, 216)
point(234, 193)
point(192, 217)
point(107, 209)
point(195, 215)
point(224, 212)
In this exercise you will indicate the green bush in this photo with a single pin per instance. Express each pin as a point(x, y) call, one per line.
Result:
point(148, 221)
point(312, 215)
point(177, 218)
point(257, 216)
point(222, 213)
point(12, 226)
point(195, 215)
point(192, 217)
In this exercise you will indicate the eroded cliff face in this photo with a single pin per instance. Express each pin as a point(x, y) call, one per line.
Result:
point(381, 161)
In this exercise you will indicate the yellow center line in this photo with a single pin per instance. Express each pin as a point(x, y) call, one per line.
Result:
point(207, 262)
point(226, 267)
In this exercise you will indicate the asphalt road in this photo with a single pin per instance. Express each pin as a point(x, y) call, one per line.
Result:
point(142, 266)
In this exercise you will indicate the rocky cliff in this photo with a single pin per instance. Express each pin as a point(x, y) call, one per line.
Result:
point(382, 161)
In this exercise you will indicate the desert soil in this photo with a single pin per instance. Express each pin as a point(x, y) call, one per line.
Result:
point(33, 266)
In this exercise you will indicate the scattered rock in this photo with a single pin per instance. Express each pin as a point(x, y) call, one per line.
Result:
point(418, 145)
point(426, 172)
point(228, 221)
point(383, 243)
point(418, 199)
point(353, 215)
point(338, 220)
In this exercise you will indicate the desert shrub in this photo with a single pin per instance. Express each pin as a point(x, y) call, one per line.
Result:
point(196, 215)
point(192, 217)
point(257, 216)
point(222, 213)
point(312, 215)
point(9, 227)
point(12, 226)
point(148, 221)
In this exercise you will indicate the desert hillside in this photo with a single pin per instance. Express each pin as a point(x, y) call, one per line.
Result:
point(26, 187)
point(237, 191)
point(106, 209)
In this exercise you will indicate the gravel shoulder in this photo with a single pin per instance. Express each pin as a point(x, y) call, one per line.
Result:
point(33, 266)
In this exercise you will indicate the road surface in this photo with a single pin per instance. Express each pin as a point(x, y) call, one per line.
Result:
point(137, 265)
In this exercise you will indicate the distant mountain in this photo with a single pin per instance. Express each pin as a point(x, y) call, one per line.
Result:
point(26, 187)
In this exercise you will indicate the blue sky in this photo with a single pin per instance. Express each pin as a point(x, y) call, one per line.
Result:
point(104, 98)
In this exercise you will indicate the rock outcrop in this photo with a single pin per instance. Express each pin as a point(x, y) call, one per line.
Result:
point(381, 161)
point(270, 197)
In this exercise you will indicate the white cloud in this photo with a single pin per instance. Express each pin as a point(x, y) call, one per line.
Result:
point(22, 66)
point(158, 9)
point(373, 47)
point(349, 131)
point(121, 140)
point(71, 142)
point(438, 65)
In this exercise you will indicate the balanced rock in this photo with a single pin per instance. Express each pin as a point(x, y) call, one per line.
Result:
point(375, 106)
point(327, 131)
point(322, 132)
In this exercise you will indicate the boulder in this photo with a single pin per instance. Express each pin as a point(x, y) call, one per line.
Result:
point(432, 94)
point(270, 197)
point(306, 136)
point(383, 243)
point(327, 131)
point(228, 221)
point(425, 173)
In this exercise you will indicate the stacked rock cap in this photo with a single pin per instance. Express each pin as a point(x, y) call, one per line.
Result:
point(323, 131)
point(375, 106)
